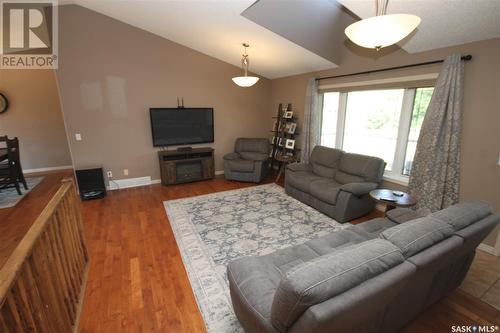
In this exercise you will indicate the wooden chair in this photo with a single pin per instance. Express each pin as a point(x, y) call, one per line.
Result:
point(11, 173)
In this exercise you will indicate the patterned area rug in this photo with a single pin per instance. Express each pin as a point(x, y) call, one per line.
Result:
point(10, 198)
point(212, 230)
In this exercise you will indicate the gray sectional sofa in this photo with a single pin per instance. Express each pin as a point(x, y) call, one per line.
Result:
point(372, 277)
point(335, 182)
point(249, 162)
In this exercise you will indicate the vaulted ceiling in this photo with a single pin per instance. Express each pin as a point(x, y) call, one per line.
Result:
point(218, 29)
point(290, 37)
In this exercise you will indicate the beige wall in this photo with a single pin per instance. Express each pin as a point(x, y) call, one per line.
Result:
point(34, 116)
point(111, 74)
point(480, 174)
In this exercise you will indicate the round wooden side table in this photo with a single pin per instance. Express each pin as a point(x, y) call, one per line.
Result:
point(391, 201)
point(284, 159)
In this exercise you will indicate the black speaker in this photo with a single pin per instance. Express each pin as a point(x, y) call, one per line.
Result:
point(91, 183)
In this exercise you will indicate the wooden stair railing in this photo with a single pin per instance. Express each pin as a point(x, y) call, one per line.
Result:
point(43, 281)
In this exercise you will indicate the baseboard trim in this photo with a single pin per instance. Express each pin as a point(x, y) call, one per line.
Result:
point(118, 184)
point(489, 249)
point(62, 167)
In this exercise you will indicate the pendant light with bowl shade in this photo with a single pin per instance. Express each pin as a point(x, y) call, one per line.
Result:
point(382, 30)
point(245, 81)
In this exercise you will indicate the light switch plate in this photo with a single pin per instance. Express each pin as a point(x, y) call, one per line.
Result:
point(78, 137)
point(125, 172)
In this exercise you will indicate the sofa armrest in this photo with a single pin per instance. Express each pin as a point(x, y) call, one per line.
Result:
point(231, 156)
point(299, 167)
point(359, 189)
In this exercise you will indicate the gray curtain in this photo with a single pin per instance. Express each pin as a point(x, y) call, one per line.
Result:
point(311, 130)
point(434, 179)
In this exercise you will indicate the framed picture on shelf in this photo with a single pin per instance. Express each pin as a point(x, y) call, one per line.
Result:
point(281, 142)
point(290, 144)
point(288, 115)
point(291, 128)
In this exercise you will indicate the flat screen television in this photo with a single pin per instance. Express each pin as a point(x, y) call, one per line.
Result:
point(181, 126)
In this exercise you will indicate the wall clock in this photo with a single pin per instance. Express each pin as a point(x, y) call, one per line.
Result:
point(4, 103)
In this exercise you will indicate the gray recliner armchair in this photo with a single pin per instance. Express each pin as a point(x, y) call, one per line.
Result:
point(249, 162)
point(335, 182)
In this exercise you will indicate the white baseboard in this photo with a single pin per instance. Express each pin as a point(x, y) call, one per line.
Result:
point(489, 249)
point(118, 184)
point(62, 167)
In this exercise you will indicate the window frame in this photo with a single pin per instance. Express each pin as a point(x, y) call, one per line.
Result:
point(395, 175)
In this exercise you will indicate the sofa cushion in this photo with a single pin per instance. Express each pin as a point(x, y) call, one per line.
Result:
point(354, 168)
point(252, 145)
point(464, 214)
point(373, 228)
point(325, 190)
point(301, 180)
point(240, 165)
point(325, 161)
point(285, 259)
point(335, 241)
point(325, 277)
point(417, 235)
point(231, 156)
point(299, 167)
point(359, 189)
point(253, 156)
point(402, 215)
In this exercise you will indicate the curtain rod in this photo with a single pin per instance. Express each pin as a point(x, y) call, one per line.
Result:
point(465, 58)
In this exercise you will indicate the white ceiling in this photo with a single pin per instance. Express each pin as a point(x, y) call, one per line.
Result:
point(444, 22)
point(215, 28)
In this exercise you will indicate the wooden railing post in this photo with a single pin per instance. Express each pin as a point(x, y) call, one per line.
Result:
point(42, 282)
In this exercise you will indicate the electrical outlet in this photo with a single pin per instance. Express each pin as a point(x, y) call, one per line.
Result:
point(109, 174)
point(78, 137)
point(125, 172)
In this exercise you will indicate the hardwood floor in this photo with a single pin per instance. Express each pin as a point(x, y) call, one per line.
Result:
point(137, 281)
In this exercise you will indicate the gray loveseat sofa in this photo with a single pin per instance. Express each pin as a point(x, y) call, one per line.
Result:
point(249, 161)
point(335, 182)
point(372, 277)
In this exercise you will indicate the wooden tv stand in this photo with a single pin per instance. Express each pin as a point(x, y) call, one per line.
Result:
point(178, 167)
